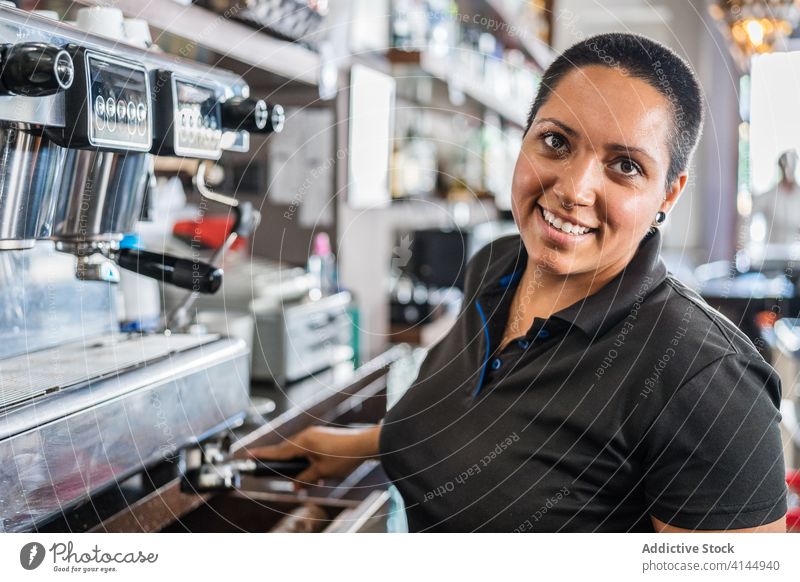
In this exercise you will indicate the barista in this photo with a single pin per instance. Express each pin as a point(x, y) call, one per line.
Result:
point(779, 207)
point(583, 387)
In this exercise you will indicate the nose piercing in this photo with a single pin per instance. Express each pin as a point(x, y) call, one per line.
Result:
point(567, 205)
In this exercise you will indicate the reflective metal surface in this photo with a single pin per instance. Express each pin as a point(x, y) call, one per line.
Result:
point(30, 166)
point(34, 374)
point(295, 340)
point(44, 305)
point(93, 435)
point(80, 407)
point(101, 195)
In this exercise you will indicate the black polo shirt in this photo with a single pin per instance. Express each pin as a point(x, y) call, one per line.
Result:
point(639, 400)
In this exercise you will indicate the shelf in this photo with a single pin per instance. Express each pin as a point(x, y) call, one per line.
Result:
point(441, 69)
point(231, 39)
point(513, 26)
point(542, 54)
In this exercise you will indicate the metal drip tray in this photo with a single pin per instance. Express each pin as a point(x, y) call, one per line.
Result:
point(30, 375)
point(111, 408)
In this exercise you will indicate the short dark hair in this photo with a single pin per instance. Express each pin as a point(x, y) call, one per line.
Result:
point(642, 58)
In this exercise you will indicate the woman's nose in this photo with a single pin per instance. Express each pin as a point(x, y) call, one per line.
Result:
point(580, 182)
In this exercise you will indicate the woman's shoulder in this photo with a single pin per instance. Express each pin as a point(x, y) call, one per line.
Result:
point(703, 327)
point(694, 352)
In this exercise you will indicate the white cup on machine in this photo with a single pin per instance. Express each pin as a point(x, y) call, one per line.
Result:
point(105, 21)
point(137, 32)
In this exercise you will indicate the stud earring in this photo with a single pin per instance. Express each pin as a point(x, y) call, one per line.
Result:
point(661, 216)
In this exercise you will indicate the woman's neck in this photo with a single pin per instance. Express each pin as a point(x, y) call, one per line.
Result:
point(542, 293)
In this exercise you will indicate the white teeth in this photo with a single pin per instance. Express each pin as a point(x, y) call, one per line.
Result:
point(563, 225)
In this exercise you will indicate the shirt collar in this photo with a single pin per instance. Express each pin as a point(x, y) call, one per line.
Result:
point(600, 311)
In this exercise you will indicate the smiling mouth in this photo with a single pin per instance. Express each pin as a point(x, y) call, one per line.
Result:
point(564, 226)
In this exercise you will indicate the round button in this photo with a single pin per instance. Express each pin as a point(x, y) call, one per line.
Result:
point(111, 108)
point(496, 363)
point(260, 114)
point(64, 69)
point(100, 107)
point(544, 334)
point(122, 110)
point(141, 112)
point(132, 112)
point(523, 344)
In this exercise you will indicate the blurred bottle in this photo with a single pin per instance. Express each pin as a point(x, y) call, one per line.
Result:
point(793, 501)
point(414, 168)
point(138, 297)
point(322, 267)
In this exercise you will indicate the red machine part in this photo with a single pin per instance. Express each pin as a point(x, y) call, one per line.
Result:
point(208, 231)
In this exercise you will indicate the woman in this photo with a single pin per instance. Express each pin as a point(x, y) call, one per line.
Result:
point(583, 388)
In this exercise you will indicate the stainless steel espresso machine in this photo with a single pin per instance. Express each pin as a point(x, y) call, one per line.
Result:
point(82, 406)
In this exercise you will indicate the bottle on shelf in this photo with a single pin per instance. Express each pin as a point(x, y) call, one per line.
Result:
point(322, 268)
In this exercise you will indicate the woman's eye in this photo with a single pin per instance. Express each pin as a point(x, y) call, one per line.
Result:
point(555, 141)
point(627, 168)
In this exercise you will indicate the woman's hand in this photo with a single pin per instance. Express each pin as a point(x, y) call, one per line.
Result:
point(332, 452)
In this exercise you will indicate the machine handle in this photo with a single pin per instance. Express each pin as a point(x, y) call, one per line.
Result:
point(247, 219)
point(253, 115)
point(196, 276)
point(265, 468)
point(35, 69)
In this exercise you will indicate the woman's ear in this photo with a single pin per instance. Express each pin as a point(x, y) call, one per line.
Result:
point(674, 191)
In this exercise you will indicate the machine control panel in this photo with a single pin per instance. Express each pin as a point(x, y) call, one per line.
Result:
point(190, 118)
point(108, 106)
point(120, 96)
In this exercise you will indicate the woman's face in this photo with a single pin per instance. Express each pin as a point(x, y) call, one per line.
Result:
point(591, 173)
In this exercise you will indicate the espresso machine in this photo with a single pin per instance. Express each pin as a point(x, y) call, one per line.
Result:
point(82, 406)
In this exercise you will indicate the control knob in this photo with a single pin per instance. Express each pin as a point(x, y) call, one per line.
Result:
point(35, 69)
point(253, 115)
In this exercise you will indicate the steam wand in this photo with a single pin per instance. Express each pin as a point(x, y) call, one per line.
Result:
point(247, 219)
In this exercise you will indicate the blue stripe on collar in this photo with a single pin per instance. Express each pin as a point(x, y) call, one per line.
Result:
point(511, 278)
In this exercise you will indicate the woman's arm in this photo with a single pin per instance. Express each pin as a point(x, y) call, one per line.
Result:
point(714, 456)
point(332, 452)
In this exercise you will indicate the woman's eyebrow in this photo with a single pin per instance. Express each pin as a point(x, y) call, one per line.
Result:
point(625, 149)
point(564, 127)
